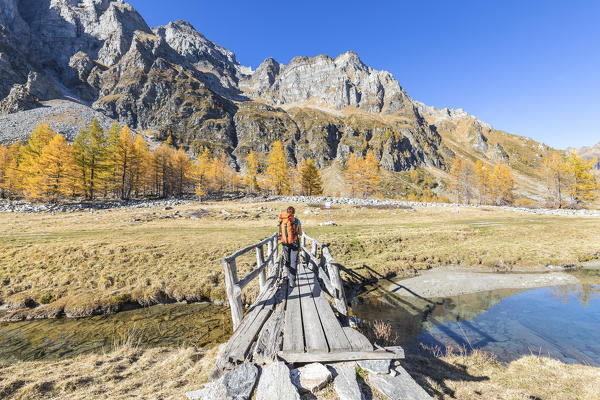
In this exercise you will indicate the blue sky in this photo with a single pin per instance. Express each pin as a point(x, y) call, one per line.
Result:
point(531, 68)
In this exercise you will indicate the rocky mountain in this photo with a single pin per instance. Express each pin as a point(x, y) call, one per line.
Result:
point(591, 152)
point(77, 58)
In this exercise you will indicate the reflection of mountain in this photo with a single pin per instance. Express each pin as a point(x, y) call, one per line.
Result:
point(560, 322)
point(410, 315)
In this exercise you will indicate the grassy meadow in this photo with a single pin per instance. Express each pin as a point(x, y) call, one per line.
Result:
point(89, 262)
point(167, 373)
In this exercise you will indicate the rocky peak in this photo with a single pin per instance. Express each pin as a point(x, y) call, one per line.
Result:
point(218, 65)
point(336, 83)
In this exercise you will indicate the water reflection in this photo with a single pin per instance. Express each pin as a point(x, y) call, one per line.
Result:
point(562, 322)
point(199, 324)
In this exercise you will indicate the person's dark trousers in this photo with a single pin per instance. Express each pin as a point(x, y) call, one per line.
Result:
point(290, 257)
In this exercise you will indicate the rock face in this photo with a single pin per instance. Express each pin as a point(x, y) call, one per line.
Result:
point(171, 80)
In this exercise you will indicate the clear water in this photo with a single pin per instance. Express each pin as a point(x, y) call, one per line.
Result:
point(199, 324)
point(562, 322)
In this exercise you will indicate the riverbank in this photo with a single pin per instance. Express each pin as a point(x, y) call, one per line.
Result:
point(83, 263)
point(454, 281)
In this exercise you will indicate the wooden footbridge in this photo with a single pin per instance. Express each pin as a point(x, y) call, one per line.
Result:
point(300, 324)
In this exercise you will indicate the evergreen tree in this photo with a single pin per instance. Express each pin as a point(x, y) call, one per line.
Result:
point(278, 170)
point(310, 179)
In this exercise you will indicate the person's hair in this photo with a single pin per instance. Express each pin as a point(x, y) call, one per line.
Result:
point(291, 210)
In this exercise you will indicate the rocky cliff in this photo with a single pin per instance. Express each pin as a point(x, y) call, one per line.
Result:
point(171, 80)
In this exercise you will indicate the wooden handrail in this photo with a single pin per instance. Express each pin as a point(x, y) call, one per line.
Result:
point(324, 266)
point(248, 248)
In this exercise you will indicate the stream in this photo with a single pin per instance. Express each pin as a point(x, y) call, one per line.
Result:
point(562, 322)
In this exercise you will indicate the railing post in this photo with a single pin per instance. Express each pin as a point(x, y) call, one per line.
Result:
point(260, 260)
point(272, 261)
point(336, 280)
point(313, 249)
point(234, 296)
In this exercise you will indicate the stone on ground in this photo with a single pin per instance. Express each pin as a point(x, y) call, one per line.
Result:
point(275, 383)
point(240, 381)
point(214, 390)
point(399, 387)
point(375, 366)
point(345, 383)
point(311, 377)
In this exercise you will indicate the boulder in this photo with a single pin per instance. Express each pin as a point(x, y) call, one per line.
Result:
point(375, 366)
point(214, 390)
point(311, 377)
point(275, 383)
point(345, 383)
point(240, 381)
point(399, 387)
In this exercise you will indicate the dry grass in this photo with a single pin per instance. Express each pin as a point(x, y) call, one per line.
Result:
point(86, 262)
point(124, 373)
point(478, 375)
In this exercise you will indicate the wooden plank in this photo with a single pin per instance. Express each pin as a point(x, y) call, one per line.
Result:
point(269, 339)
point(300, 357)
point(314, 336)
point(293, 335)
point(248, 248)
point(233, 294)
point(358, 341)
point(245, 340)
point(250, 317)
point(336, 338)
point(260, 261)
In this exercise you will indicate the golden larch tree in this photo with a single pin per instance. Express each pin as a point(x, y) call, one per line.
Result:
point(369, 174)
point(57, 170)
point(30, 154)
point(351, 173)
point(502, 185)
point(556, 172)
point(181, 171)
point(310, 179)
point(278, 174)
point(250, 179)
point(482, 172)
point(583, 186)
point(461, 180)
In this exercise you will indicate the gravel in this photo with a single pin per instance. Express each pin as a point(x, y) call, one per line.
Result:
point(398, 203)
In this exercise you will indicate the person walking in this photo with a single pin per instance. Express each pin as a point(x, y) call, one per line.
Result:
point(290, 230)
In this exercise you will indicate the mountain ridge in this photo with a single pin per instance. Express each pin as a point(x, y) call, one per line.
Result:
point(172, 81)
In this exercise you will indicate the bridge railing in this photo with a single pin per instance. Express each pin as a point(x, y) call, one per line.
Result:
point(327, 270)
point(318, 257)
point(234, 286)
